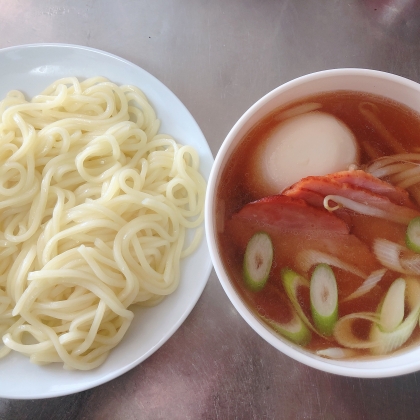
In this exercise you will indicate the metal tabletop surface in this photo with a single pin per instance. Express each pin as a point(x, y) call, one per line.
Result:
point(219, 57)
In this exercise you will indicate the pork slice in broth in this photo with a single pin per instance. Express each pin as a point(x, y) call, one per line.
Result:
point(365, 180)
point(295, 226)
point(282, 213)
point(371, 203)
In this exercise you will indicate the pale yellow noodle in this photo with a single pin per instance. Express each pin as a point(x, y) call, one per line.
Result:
point(94, 210)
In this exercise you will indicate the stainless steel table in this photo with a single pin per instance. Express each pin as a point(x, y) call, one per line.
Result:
point(219, 57)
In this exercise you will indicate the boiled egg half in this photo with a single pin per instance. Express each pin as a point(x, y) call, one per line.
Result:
point(311, 144)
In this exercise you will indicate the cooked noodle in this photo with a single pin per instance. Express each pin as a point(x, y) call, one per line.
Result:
point(94, 208)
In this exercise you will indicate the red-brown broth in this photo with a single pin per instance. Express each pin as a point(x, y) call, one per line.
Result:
point(236, 189)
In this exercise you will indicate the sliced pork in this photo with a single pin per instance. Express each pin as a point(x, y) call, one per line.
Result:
point(283, 213)
point(295, 227)
point(352, 195)
point(365, 180)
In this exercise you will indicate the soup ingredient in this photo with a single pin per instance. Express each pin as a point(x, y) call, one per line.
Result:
point(379, 341)
point(387, 342)
point(295, 330)
point(396, 257)
point(393, 213)
point(324, 299)
point(365, 180)
point(315, 143)
point(344, 330)
point(298, 110)
point(334, 195)
point(307, 258)
point(412, 237)
point(257, 261)
point(402, 170)
point(95, 208)
point(392, 308)
point(403, 166)
point(337, 353)
point(372, 280)
point(287, 213)
point(292, 282)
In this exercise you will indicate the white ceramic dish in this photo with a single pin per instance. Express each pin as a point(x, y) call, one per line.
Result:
point(394, 87)
point(31, 68)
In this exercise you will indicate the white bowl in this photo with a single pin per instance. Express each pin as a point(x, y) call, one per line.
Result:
point(387, 85)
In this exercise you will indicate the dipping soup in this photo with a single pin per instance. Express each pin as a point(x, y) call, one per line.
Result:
point(343, 276)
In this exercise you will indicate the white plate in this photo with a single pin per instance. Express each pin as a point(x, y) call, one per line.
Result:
point(31, 68)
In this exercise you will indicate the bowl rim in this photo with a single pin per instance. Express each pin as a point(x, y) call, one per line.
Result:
point(361, 370)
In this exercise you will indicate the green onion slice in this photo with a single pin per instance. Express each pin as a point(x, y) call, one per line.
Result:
point(412, 236)
point(291, 282)
point(392, 307)
point(381, 342)
point(295, 330)
point(324, 299)
point(257, 261)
